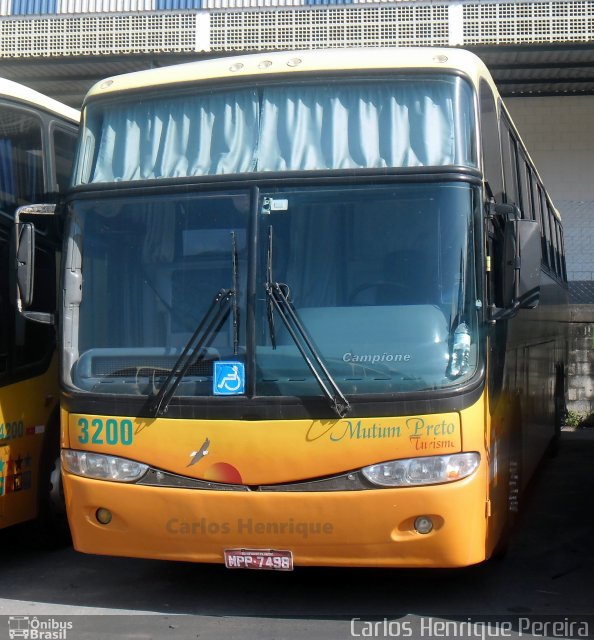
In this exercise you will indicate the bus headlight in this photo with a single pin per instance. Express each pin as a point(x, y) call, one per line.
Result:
point(102, 467)
point(418, 471)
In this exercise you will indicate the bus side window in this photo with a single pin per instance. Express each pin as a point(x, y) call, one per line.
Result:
point(34, 342)
point(21, 160)
point(524, 201)
point(539, 217)
point(558, 249)
point(563, 264)
point(64, 144)
point(546, 233)
point(527, 180)
point(552, 242)
point(508, 151)
point(491, 142)
point(554, 248)
point(25, 344)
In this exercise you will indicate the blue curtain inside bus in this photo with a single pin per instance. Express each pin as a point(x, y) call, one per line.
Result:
point(404, 123)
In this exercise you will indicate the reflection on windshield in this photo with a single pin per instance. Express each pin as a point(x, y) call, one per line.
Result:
point(278, 297)
point(380, 280)
point(151, 271)
point(380, 277)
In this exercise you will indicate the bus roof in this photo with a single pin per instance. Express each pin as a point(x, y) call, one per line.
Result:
point(285, 62)
point(18, 92)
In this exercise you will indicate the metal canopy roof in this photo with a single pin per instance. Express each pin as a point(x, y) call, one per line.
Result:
point(518, 70)
point(533, 47)
point(541, 70)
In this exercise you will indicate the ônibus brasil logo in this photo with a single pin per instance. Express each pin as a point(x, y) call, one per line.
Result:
point(32, 628)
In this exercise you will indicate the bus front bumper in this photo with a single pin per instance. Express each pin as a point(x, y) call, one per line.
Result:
point(373, 528)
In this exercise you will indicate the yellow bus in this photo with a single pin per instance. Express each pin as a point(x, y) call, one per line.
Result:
point(310, 313)
point(37, 143)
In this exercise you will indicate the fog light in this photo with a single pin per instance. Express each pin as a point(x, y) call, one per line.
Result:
point(423, 525)
point(103, 516)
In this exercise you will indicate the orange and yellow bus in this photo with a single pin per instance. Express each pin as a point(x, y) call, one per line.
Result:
point(37, 143)
point(310, 313)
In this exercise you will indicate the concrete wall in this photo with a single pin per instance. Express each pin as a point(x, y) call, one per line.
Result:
point(580, 394)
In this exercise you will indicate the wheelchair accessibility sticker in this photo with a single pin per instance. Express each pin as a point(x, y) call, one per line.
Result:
point(228, 378)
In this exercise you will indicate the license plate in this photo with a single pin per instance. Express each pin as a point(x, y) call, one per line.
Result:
point(270, 559)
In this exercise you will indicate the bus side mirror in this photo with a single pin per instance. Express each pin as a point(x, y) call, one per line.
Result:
point(25, 264)
point(530, 248)
point(25, 261)
point(522, 258)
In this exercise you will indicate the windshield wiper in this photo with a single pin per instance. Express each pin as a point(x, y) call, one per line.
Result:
point(224, 302)
point(207, 328)
point(278, 297)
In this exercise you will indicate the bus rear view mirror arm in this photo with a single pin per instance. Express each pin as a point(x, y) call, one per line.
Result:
point(522, 260)
point(25, 261)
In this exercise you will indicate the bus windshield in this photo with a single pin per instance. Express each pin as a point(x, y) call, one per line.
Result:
point(344, 124)
point(381, 277)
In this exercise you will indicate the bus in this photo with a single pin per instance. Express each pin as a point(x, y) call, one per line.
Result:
point(37, 142)
point(312, 313)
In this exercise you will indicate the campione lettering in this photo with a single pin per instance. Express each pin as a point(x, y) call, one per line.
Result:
point(376, 358)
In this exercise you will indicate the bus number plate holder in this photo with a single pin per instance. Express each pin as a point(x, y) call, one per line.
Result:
point(266, 559)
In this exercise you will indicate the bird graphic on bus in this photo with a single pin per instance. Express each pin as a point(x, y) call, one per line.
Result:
point(198, 455)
